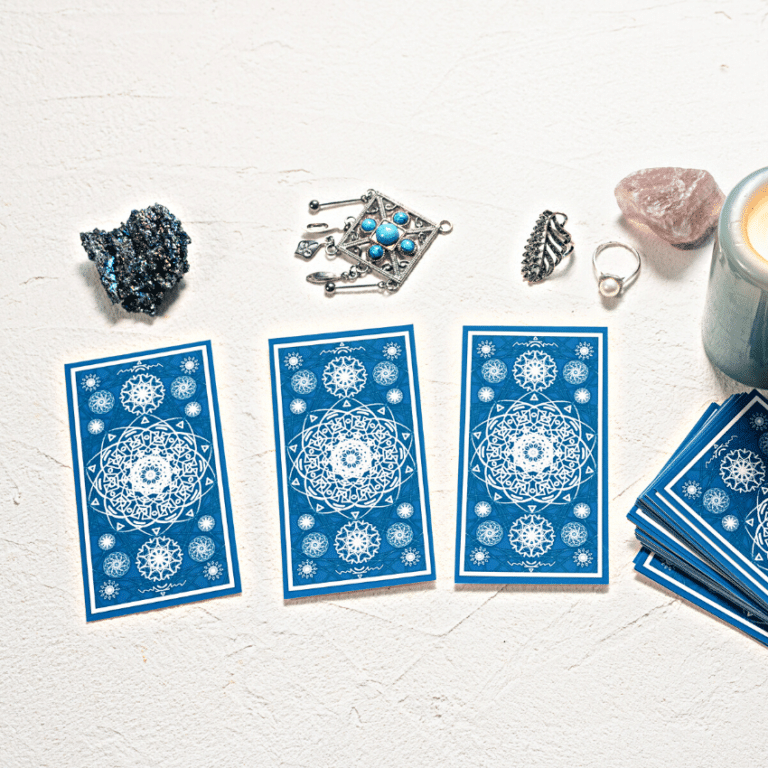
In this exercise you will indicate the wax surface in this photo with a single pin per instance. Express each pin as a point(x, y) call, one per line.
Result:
point(755, 223)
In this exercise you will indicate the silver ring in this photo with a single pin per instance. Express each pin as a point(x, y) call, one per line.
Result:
point(608, 284)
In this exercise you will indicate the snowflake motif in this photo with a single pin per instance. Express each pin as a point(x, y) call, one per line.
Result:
point(352, 458)
point(764, 442)
point(494, 371)
point(315, 545)
point(297, 406)
point(306, 522)
point(142, 394)
point(385, 373)
point(193, 409)
point(582, 558)
point(189, 365)
point(489, 533)
point(90, 382)
point(159, 558)
point(759, 421)
point(206, 523)
point(101, 402)
point(582, 396)
point(584, 350)
point(213, 571)
point(582, 511)
point(116, 564)
point(106, 541)
point(486, 349)
point(742, 470)
point(573, 534)
point(201, 548)
point(691, 489)
point(95, 426)
point(391, 350)
point(410, 556)
point(485, 394)
point(357, 542)
point(575, 372)
point(531, 535)
point(399, 535)
point(405, 510)
point(479, 556)
point(183, 387)
point(716, 501)
point(151, 474)
point(109, 590)
point(394, 396)
point(535, 371)
point(482, 509)
point(293, 361)
point(730, 523)
point(532, 451)
point(344, 376)
point(304, 382)
point(306, 569)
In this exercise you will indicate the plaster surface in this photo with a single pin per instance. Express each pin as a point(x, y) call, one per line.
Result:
point(235, 115)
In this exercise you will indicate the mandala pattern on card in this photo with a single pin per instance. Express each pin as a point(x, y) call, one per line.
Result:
point(149, 475)
point(351, 458)
point(533, 451)
point(142, 393)
point(742, 470)
point(344, 376)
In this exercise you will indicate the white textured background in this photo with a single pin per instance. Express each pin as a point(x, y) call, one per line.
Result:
point(235, 115)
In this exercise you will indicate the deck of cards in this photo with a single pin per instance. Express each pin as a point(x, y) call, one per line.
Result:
point(703, 522)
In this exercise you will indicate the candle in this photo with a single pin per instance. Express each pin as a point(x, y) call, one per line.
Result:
point(755, 222)
point(735, 326)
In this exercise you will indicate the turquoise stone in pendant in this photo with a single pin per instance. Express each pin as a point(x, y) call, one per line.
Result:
point(400, 218)
point(375, 251)
point(407, 246)
point(367, 225)
point(387, 234)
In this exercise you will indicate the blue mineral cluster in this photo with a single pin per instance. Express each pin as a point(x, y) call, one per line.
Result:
point(140, 261)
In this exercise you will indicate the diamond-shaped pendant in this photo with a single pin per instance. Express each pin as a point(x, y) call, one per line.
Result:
point(386, 239)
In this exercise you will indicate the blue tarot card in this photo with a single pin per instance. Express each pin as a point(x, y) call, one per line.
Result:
point(532, 502)
point(664, 574)
point(152, 495)
point(354, 504)
point(715, 494)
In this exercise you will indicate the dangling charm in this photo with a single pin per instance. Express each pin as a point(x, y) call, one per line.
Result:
point(386, 240)
point(548, 244)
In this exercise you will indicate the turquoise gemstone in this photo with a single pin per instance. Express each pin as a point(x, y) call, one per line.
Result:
point(387, 234)
point(407, 246)
point(367, 225)
point(375, 251)
point(401, 218)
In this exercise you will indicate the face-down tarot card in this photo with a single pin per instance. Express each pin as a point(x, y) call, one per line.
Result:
point(354, 504)
point(532, 504)
point(151, 482)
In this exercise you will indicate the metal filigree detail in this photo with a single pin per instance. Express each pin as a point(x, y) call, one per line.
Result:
point(548, 244)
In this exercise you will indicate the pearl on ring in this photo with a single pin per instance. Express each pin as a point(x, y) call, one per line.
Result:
point(609, 286)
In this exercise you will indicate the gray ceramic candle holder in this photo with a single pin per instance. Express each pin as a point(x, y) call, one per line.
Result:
point(735, 326)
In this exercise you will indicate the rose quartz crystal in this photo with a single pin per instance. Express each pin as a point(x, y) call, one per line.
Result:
point(680, 205)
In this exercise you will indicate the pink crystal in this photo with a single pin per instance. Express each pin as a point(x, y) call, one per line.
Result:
point(680, 205)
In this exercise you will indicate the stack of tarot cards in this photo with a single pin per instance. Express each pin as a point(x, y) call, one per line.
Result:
point(703, 522)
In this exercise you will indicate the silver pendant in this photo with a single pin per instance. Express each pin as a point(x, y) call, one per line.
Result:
point(386, 240)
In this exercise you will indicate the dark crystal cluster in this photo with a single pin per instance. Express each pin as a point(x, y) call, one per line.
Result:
point(141, 260)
